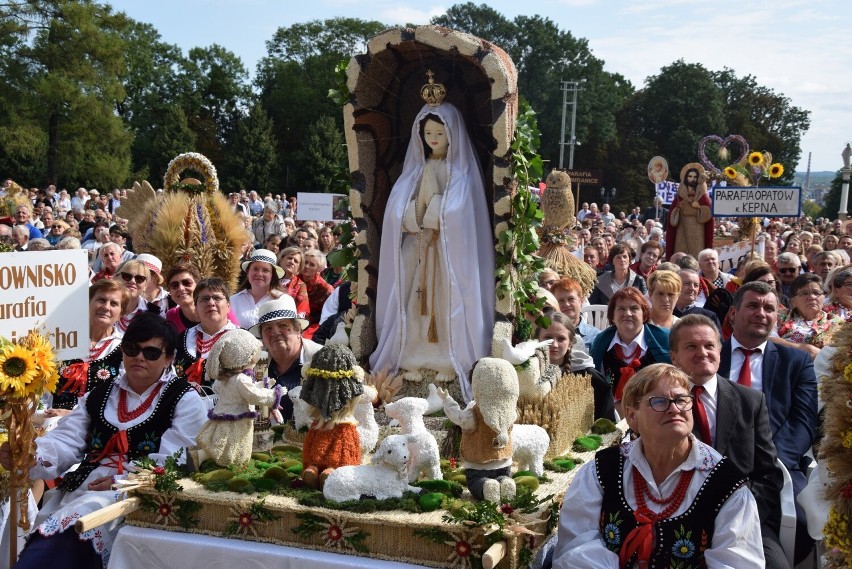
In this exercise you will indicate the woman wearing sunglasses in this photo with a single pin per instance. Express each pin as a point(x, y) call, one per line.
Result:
point(147, 412)
point(664, 499)
point(134, 275)
point(211, 308)
point(107, 299)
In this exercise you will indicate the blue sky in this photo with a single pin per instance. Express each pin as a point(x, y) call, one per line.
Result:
point(801, 48)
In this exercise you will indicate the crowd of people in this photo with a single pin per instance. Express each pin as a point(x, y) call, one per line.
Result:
point(694, 358)
point(728, 359)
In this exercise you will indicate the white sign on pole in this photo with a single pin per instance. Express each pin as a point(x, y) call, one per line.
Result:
point(47, 291)
point(758, 202)
point(730, 255)
point(319, 207)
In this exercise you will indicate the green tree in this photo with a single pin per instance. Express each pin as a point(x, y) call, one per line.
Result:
point(217, 92)
point(294, 79)
point(765, 118)
point(831, 202)
point(173, 137)
point(325, 156)
point(545, 56)
point(252, 156)
point(66, 62)
point(153, 90)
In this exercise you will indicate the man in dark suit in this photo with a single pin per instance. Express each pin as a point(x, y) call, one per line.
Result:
point(657, 212)
point(737, 423)
point(784, 375)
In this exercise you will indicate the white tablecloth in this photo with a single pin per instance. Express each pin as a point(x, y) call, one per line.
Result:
point(137, 547)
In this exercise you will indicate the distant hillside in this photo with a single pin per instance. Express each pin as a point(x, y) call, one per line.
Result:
point(817, 178)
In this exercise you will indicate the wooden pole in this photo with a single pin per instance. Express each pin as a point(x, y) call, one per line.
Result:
point(13, 501)
point(107, 514)
point(493, 555)
point(577, 201)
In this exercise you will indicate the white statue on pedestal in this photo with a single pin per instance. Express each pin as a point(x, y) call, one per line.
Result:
point(435, 300)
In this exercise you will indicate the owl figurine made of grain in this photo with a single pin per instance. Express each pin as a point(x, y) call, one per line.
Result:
point(557, 203)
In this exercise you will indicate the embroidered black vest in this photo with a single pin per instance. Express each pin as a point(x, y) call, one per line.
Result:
point(183, 359)
point(612, 365)
point(103, 370)
point(143, 438)
point(678, 541)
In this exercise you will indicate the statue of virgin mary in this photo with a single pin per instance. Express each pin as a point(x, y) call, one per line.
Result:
point(435, 297)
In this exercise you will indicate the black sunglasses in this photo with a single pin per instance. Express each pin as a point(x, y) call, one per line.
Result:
point(150, 353)
point(138, 278)
point(790, 270)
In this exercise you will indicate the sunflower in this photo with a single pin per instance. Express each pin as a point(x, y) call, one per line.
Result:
point(17, 369)
point(776, 170)
point(755, 158)
point(730, 173)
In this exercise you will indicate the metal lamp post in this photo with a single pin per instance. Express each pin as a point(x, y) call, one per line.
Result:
point(607, 194)
point(846, 171)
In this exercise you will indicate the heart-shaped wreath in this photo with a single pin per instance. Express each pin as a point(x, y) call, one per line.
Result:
point(723, 143)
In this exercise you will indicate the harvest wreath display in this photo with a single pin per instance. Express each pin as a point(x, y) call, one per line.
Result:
point(265, 500)
point(194, 162)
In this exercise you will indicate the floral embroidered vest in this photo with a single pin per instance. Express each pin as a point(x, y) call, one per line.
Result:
point(102, 370)
point(680, 541)
point(183, 359)
point(143, 438)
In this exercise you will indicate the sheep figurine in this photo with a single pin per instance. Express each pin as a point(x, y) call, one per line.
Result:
point(368, 428)
point(301, 410)
point(529, 444)
point(386, 476)
point(408, 412)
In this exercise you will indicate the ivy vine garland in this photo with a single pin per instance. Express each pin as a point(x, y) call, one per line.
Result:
point(197, 163)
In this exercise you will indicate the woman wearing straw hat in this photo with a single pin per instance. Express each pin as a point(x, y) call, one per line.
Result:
point(260, 285)
point(279, 327)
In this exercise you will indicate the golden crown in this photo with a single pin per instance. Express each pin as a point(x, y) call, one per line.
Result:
point(433, 93)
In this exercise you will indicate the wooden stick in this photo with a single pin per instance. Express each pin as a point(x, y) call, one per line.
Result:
point(493, 555)
point(13, 502)
point(107, 514)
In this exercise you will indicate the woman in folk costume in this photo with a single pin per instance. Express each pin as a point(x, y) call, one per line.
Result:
point(690, 216)
point(435, 301)
point(146, 412)
point(195, 344)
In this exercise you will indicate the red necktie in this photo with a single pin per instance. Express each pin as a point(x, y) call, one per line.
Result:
point(745, 371)
point(699, 412)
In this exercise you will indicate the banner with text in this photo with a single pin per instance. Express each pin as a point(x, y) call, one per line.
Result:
point(586, 176)
point(47, 291)
point(320, 207)
point(758, 202)
point(730, 255)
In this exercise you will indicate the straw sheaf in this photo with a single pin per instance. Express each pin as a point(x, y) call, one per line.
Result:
point(231, 236)
point(566, 413)
point(167, 231)
point(837, 394)
point(561, 260)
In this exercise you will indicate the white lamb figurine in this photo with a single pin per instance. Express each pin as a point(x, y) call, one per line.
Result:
point(301, 409)
point(368, 428)
point(386, 476)
point(529, 445)
point(425, 459)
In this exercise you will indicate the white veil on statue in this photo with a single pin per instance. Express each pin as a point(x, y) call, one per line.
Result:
point(465, 254)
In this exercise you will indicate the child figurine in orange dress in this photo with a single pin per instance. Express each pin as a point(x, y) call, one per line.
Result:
point(331, 387)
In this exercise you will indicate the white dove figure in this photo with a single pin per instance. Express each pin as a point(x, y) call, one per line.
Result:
point(340, 336)
point(516, 355)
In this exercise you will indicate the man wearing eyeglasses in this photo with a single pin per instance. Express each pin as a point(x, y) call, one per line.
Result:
point(785, 376)
point(734, 420)
point(789, 267)
point(148, 412)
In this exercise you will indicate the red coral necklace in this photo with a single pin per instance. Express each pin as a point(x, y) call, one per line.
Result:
point(124, 415)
